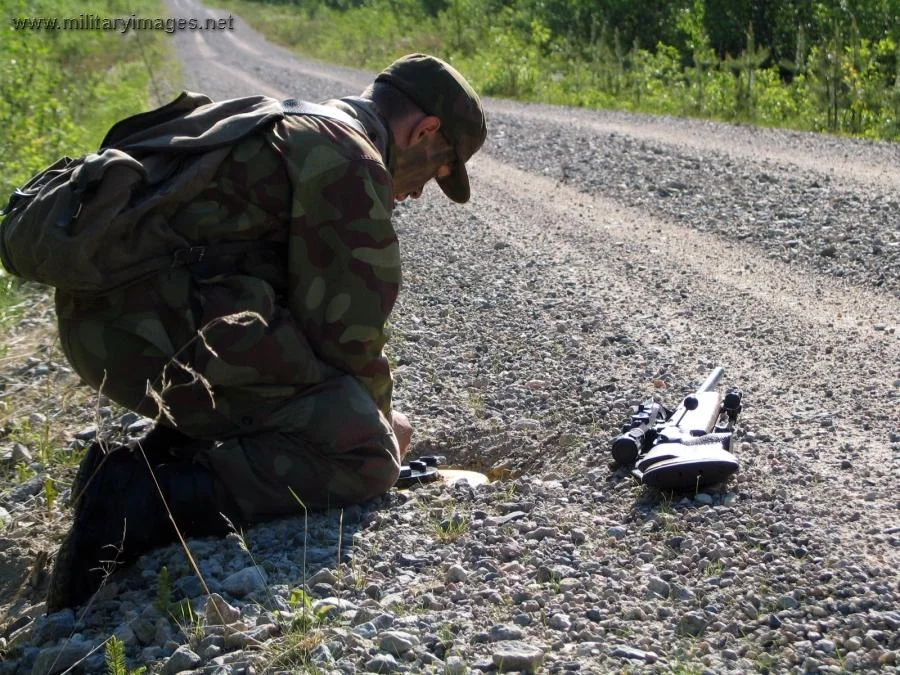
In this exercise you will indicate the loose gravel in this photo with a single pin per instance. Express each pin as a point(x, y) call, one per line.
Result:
point(592, 268)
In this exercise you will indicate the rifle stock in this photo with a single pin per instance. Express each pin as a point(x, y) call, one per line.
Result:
point(686, 449)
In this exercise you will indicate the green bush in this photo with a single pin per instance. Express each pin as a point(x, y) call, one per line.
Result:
point(844, 75)
point(60, 90)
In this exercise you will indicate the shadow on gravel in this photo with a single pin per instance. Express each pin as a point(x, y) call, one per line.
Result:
point(497, 453)
point(278, 566)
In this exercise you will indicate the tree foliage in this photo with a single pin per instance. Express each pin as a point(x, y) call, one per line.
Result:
point(830, 65)
point(60, 90)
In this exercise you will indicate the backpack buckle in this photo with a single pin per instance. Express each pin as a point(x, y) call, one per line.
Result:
point(188, 256)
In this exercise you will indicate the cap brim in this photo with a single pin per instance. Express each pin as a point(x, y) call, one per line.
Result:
point(456, 185)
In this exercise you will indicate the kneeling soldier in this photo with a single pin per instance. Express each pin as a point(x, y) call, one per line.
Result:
point(264, 367)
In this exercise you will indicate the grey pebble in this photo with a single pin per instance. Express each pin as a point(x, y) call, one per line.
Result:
point(366, 630)
point(331, 607)
point(252, 638)
point(511, 656)
point(53, 660)
point(218, 612)
point(659, 587)
point(245, 581)
point(455, 665)
point(787, 602)
point(323, 576)
point(129, 419)
point(502, 632)
point(52, 627)
point(541, 533)
point(86, 434)
point(692, 623)
point(20, 455)
point(26, 489)
point(456, 574)
point(627, 652)
point(382, 663)
point(397, 642)
point(617, 531)
point(183, 659)
point(560, 622)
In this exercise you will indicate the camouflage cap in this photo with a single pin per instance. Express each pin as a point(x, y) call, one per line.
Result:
point(438, 89)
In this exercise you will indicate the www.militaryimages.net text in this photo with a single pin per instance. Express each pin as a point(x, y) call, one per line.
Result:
point(121, 24)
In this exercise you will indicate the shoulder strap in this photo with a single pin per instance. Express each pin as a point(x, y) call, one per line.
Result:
point(294, 107)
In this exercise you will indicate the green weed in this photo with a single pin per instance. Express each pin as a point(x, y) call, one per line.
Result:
point(713, 568)
point(24, 472)
point(50, 493)
point(35, 437)
point(451, 526)
point(163, 591)
point(476, 401)
point(115, 659)
point(190, 623)
point(11, 297)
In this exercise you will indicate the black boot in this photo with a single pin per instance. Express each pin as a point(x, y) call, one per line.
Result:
point(161, 445)
point(121, 515)
point(164, 444)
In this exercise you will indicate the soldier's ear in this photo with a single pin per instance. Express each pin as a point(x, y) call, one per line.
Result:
point(425, 127)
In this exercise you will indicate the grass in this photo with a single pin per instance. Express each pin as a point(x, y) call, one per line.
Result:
point(39, 410)
point(60, 91)
point(292, 653)
point(115, 659)
point(450, 525)
point(11, 303)
point(36, 437)
point(163, 590)
point(189, 623)
point(476, 402)
point(713, 568)
point(354, 575)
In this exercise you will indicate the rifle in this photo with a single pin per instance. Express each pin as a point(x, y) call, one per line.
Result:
point(683, 450)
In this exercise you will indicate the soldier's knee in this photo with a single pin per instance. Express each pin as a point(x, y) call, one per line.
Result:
point(367, 473)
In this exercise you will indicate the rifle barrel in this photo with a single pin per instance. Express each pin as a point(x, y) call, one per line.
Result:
point(712, 380)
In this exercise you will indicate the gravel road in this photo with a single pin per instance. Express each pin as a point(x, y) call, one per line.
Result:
point(603, 258)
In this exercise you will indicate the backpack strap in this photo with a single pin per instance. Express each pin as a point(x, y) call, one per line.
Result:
point(294, 107)
point(194, 255)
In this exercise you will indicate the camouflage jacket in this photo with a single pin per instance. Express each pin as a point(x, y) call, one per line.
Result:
point(343, 254)
point(317, 197)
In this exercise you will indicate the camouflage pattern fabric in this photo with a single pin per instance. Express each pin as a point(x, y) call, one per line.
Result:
point(296, 388)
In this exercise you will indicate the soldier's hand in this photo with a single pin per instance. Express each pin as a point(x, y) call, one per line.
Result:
point(402, 430)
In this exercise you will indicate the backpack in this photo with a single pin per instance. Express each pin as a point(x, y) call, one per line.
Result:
point(100, 222)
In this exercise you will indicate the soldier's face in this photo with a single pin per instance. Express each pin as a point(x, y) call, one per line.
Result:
point(430, 157)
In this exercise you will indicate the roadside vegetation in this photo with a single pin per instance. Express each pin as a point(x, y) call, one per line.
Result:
point(61, 90)
point(9, 298)
point(822, 66)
